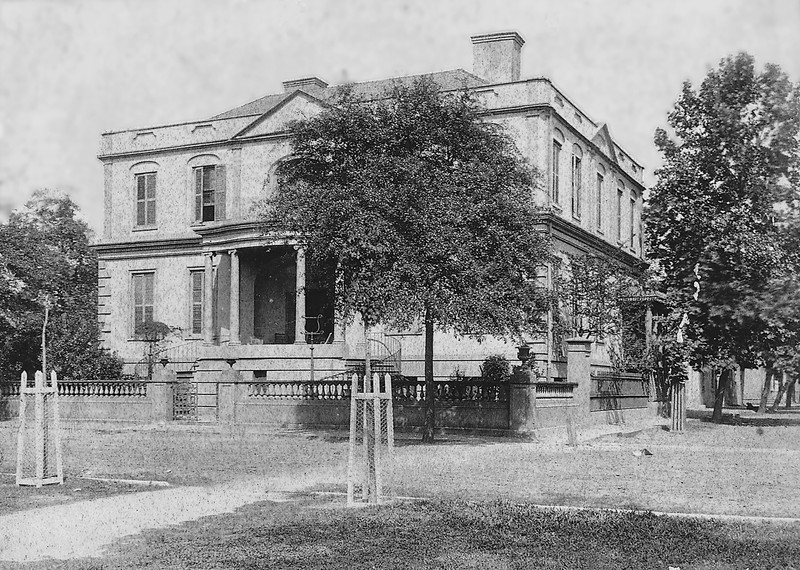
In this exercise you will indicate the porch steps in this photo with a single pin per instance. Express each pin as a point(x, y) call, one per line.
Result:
point(381, 367)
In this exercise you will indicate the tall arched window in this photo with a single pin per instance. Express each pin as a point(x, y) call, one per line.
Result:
point(599, 197)
point(558, 142)
point(209, 181)
point(144, 182)
point(577, 157)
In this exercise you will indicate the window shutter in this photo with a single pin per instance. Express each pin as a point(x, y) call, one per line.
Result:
point(220, 194)
point(198, 194)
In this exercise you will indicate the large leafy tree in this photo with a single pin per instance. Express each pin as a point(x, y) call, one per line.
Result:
point(729, 180)
point(422, 211)
point(45, 259)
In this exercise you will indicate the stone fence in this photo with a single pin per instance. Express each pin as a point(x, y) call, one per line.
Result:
point(521, 405)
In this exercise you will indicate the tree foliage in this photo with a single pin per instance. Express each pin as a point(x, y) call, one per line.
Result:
point(727, 187)
point(590, 295)
point(421, 210)
point(45, 257)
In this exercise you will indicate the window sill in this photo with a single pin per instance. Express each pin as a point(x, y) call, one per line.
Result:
point(144, 228)
point(576, 218)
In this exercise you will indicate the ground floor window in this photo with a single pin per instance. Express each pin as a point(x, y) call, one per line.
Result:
point(196, 315)
point(143, 284)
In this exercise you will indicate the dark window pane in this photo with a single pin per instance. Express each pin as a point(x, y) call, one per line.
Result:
point(197, 319)
point(148, 288)
point(137, 290)
point(151, 186)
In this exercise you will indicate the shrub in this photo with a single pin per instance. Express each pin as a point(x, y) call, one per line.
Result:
point(495, 368)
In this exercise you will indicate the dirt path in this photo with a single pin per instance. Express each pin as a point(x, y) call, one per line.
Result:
point(85, 528)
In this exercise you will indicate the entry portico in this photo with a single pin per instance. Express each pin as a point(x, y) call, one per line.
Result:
point(257, 289)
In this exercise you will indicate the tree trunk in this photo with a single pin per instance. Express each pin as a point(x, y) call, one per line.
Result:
point(765, 389)
point(719, 395)
point(367, 360)
point(784, 389)
point(430, 388)
point(790, 393)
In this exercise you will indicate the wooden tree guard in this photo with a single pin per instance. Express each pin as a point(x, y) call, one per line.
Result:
point(366, 415)
point(46, 468)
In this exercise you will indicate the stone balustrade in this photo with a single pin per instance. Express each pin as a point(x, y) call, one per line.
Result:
point(103, 388)
point(88, 388)
point(338, 389)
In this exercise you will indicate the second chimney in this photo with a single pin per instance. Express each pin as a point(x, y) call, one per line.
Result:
point(496, 57)
point(307, 84)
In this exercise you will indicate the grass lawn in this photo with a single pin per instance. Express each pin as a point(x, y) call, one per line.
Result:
point(312, 534)
point(729, 469)
point(16, 498)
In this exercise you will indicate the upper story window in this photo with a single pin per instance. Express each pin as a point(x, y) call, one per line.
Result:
point(619, 213)
point(143, 285)
point(599, 198)
point(556, 174)
point(631, 217)
point(577, 155)
point(146, 199)
point(558, 141)
point(209, 192)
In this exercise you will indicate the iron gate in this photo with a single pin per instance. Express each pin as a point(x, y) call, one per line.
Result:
point(184, 401)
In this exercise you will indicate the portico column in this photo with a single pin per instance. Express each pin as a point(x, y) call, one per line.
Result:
point(208, 298)
point(234, 322)
point(300, 305)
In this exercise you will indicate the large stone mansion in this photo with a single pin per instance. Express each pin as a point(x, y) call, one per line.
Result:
point(180, 246)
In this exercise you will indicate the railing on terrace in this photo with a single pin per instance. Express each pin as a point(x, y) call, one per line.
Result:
point(179, 355)
point(384, 350)
point(404, 390)
point(121, 388)
point(554, 390)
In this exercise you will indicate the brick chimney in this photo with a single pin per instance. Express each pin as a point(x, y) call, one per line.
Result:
point(496, 57)
point(308, 84)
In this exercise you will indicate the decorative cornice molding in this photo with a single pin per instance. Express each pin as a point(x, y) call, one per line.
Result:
point(587, 241)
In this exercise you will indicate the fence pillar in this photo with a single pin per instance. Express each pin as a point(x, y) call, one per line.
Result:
point(160, 393)
point(522, 417)
point(226, 396)
point(579, 351)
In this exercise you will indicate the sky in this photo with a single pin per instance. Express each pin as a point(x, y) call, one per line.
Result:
point(71, 70)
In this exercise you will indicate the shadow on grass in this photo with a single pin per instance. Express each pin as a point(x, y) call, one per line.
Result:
point(407, 439)
point(754, 421)
point(452, 534)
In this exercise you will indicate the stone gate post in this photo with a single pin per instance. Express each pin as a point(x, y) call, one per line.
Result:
point(522, 417)
point(579, 351)
point(160, 393)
